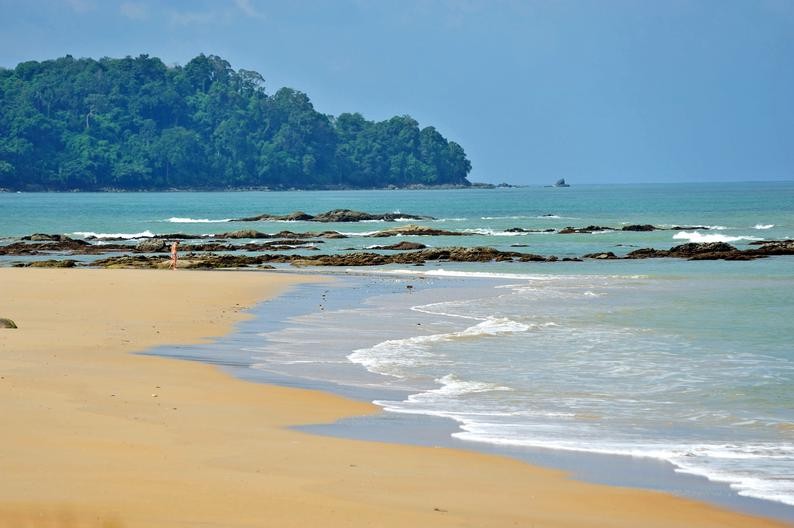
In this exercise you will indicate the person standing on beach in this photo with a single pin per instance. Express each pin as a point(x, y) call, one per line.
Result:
point(174, 245)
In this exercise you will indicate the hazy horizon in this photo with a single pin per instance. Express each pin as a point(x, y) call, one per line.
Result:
point(593, 92)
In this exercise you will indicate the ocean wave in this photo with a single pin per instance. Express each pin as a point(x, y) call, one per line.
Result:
point(451, 385)
point(764, 226)
point(522, 217)
point(390, 357)
point(725, 463)
point(496, 232)
point(471, 274)
point(129, 236)
point(698, 237)
point(181, 220)
point(358, 233)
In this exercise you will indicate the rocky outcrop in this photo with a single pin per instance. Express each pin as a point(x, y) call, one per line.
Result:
point(253, 234)
point(772, 248)
point(7, 323)
point(522, 230)
point(402, 246)
point(601, 256)
point(589, 229)
point(67, 263)
point(416, 230)
point(36, 248)
point(695, 251)
point(152, 245)
point(336, 215)
point(44, 237)
point(639, 227)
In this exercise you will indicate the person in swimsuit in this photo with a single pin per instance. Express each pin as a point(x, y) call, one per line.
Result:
point(173, 255)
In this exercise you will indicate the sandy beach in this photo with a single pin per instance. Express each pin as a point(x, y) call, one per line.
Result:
point(96, 436)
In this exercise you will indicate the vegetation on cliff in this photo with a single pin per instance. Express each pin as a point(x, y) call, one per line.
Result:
point(135, 123)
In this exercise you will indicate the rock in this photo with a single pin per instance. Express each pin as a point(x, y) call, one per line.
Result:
point(771, 248)
point(696, 251)
point(589, 229)
point(43, 237)
point(690, 228)
point(336, 215)
point(693, 248)
point(7, 323)
point(522, 230)
point(402, 246)
point(245, 233)
point(151, 245)
point(416, 230)
point(51, 264)
point(637, 227)
point(608, 255)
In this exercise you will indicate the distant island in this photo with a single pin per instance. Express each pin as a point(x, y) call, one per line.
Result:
point(137, 124)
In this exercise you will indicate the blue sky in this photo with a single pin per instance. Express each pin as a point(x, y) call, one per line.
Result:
point(534, 90)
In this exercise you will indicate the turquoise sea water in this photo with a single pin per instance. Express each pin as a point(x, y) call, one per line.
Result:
point(690, 362)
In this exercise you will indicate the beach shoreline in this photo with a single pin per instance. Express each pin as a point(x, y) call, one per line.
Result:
point(98, 436)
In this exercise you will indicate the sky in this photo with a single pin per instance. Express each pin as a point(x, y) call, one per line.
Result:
point(594, 91)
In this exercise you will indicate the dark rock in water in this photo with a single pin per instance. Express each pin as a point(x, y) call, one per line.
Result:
point(152, 245)
point(647, 253)
point(7, 323)
point(608, 255)
point(51, 264)
point(589, 229)
point(35, 248)
point(519, 245)
point(337, 215)
point(572, 259)
point(696, 251)
point(772, 248)
point(245, 233)
point(43, 237)
point(638, 227)
point(522, 230)
point(131, 261)
point(412, 229)
point(346, 215)
point(402, 246)
point(693, 248)
point(690, 228)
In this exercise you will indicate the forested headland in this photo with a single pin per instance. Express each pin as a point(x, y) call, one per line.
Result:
point(137, 124)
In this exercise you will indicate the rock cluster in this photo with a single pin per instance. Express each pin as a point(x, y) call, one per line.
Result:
point(336, 215)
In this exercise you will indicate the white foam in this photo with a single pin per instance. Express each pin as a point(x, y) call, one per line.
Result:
point(764, 226)
point(129, 236)
point(358, 233)
point(492, 232)
point(388, 357)
point(472, 274)
point(180, 220)
point(696, 236)
point(451, 385)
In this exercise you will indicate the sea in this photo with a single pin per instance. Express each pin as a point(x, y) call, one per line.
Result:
point(689, 363)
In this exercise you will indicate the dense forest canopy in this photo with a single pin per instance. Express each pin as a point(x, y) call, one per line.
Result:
point(134, 123)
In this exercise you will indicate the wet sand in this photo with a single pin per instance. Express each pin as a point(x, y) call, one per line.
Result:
point(94, 435)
